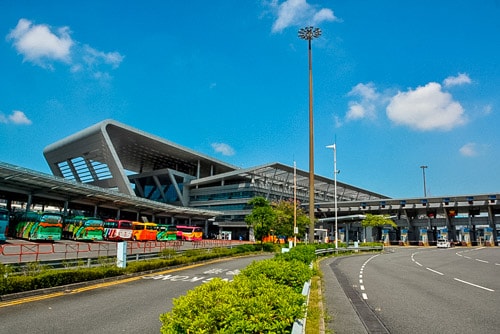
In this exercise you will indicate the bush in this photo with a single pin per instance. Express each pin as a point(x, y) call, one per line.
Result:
point(291, 273)
point(302, 253)
point(38, 276)
point(241, 306)
point(246, 248)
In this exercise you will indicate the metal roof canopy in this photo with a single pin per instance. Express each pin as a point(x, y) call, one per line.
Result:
point(15, 181)
point(278, 173)
point(106, 153)
point(420, 205)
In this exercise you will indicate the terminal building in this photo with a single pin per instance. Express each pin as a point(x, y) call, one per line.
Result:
point(118, 157)
point(139, 175)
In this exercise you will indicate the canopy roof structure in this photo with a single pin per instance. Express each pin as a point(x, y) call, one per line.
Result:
point(113, 155)
point(17, 183)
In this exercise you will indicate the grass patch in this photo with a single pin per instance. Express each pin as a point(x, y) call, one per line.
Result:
point(316, 315)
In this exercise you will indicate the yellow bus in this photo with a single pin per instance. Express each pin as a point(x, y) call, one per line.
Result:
point(190, 233)
point(144, 231)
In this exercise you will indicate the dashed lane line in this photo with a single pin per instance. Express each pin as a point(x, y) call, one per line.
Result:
point(474, 285)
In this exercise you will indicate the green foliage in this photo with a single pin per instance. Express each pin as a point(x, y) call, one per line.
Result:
point(37, 276)
point(284, 211)
point(221, 251)
point(378, 221)
point(51, 278)
point(264, 298)
point(168, 253)
point(291, 272)
point(246, 248)
point(303, 253)
point(33, 268)
point(241, 306)
point(271, 247)
point(193, 252)
point(262, 217)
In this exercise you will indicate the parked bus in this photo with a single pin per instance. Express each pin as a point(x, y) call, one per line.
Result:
point(117, 229)
point(83, 228)
point(166, 232)
point(190, 233)
point(144, 231)
point(4, 224)
point(37, 226)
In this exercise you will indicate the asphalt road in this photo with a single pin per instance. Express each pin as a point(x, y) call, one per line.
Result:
point(415, 290)
point(130, 306)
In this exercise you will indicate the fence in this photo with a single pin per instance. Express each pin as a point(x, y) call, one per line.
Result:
point(32, 252)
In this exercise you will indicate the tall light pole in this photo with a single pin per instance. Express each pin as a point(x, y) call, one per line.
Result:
point(423, 174)
point(335, 172)
point(309, 33)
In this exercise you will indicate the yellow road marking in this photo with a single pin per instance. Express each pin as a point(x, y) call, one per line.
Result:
point(98, 285)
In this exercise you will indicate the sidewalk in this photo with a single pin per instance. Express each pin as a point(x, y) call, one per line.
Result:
point(339, 311)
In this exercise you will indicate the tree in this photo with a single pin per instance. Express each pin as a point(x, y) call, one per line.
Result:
point(262, 217)
point(284, 211)
point(377, 222)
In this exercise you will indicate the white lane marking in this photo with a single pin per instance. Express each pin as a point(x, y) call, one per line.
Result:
point(483, 261)
point(435, 271)
point(361, 286)
point(415, 261)
point(474, 285)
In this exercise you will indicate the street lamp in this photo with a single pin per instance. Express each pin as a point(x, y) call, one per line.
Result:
point(309, 33)
point(423, 174)
point(335, 172)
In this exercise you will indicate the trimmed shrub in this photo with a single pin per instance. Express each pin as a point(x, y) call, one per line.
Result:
point(291, 273)
point(302, 253)
point(37, 276)
point(241, 306)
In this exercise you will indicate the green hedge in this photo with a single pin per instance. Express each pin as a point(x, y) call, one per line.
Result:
point(303, 253)
point(244, 305)
point(264, 298)
point(292, 273)
point(37, 276)
point(51, 278)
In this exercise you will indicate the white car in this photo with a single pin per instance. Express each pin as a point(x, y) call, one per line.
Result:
point(443, 243)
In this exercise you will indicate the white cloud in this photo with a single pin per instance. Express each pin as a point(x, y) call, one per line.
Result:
point(43, 46)
point(222, 148)
point(366, 106)
point(460, 79)
point(426, 108)
point(93, 57)
point(16, 117)
point(469, 150)
point(39, 45)
point(297, 13)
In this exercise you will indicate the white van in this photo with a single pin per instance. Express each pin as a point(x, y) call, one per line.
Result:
point(443, 243)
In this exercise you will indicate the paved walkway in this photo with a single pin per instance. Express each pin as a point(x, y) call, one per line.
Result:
point(341, 316)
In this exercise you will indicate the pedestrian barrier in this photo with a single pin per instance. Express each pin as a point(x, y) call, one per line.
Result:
point(33, 252)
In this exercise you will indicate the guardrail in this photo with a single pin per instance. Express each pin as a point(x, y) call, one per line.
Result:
point(349, 249)
point(43, 251)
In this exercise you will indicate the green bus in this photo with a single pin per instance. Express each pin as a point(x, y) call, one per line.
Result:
point(166, 232)
point(83, 228)
point(4, 224)
point(38, 226)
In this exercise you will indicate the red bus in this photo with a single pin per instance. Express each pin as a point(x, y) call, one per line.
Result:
point(117, 229)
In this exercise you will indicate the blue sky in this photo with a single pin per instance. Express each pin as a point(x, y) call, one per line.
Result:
point(397, 84)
